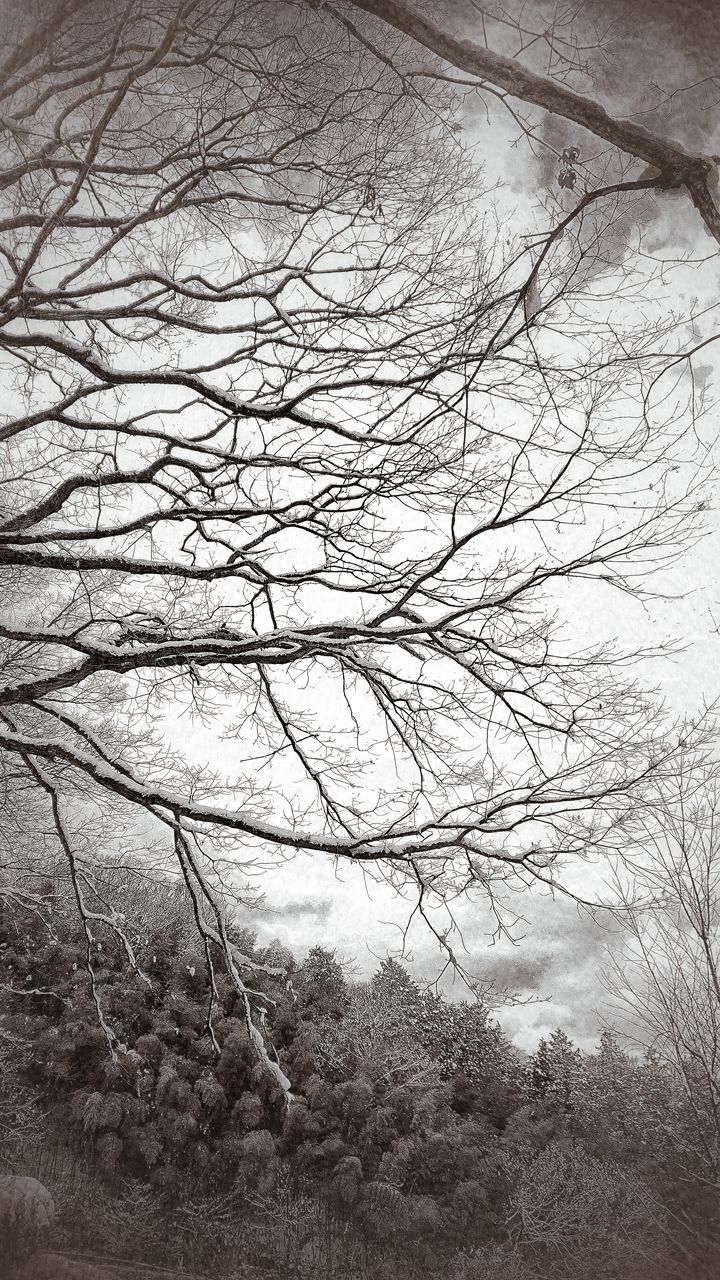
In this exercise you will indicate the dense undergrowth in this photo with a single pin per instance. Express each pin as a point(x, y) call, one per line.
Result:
point(418, 1142)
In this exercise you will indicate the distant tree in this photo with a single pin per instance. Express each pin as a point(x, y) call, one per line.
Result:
point(557, 1070)
point(321, 986)
point(625, 1105)
point(377, 1040)
point(460, 1037)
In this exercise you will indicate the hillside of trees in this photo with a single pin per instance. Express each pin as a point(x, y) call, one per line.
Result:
point(416, 1142)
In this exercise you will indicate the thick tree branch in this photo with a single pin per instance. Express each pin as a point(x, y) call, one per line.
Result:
point(678, 167)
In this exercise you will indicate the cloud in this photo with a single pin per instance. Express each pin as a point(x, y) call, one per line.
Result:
point(655, 62)
point(561, 963)
point(557, 961)
point(317, 909)
point(298, 921)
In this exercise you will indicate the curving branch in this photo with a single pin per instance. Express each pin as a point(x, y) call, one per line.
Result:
point(676, 167)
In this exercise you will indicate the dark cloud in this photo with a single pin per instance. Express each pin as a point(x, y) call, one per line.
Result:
point(655, 62)
point(297, 920)
point(557, 962)
point(662, 59)
point(317, 909)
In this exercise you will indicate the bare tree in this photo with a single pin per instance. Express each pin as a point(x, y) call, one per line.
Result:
point(373, 1042)
point(293, 486)
point(664, 982)
point(571, 1209)
point(671, 166)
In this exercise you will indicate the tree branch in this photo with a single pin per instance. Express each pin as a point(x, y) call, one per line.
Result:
point(678, 167)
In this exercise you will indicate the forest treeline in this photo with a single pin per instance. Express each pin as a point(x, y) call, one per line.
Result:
point(417, 1142)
